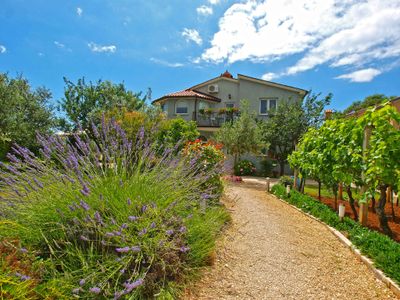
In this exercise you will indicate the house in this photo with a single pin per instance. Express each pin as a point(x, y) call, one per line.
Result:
point(213, 102)
point(393, 102)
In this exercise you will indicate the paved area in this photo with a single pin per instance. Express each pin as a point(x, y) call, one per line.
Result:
point(272, 251)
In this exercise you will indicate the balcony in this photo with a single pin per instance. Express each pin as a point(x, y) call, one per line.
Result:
point(213, 119)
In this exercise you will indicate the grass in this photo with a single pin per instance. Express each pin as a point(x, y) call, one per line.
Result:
point(136, 229)
point(383, 251)
point(312, 190)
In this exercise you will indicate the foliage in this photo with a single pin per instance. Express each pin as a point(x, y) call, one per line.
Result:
point(242, 135)
point(267, 165)
point(286, 180)
point(176, 132)
point(244, 167)
point(85, 102)
point(334, 153)
point(284, 128)
point(23, 113)
point(384, 252)
point(367, 102)
point(106, 217)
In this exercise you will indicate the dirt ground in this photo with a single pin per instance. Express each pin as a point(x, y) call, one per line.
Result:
point(373, 221)
point(272, 251)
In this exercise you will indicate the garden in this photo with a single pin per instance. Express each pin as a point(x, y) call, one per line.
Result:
point(126, 206)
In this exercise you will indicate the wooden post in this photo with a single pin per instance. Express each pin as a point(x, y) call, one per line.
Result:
point(363, 214)
point(268, 184)
point(340, 195)
point(389, 194)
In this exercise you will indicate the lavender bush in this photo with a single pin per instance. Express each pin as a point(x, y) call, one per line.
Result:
point(105, 216)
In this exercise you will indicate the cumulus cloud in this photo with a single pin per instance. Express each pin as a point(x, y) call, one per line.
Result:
point(166, 63)
point(214, 2)
point(79, 11)
point(204, 10)
point(102, 48)
point(365, 75)
point(192, 35)
point(339, 33)
point(59, 45)
point(3, 49)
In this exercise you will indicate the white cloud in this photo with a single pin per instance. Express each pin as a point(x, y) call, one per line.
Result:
point(59, 45)
point(3, 49)
point(214, 2)
point(102, 48)
point(192, 35)
point(204, 10)
point(166, 63)
point(269, 76)
point(339, 33)
point(365, 75)
point(79, 11)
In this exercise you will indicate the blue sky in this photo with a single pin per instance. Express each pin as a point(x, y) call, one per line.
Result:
point(350, 48)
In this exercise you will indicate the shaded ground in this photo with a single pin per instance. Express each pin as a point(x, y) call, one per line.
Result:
point(373, 221)
point(272, 251)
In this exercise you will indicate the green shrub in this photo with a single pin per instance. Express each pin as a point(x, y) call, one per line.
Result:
point(267, 165)
point(384, 252)
point(286, 180)
point(106, 217)
point(244, 167)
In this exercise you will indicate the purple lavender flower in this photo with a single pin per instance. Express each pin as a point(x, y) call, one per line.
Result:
point(183, 229)
point(184, 249)
point(143, 232)
point(129, 201)
point(95, 290)
point(144, 208)
point(122, 271)
point(109, 234)
point(132, 218)
point(84, 238)
point(169, 232)
point(117, 233)
point(71, 207)
point(205, 196)
point(130, 286)
point(135, 248)
point(124, 226)
point(85, 190)
point(25, 277)
point(104, 243)
point(98, 218)
point(123, 250)
point(23, 250)
point(84, 205)
point(117, 295)
point(153, 225)
point(113, 221)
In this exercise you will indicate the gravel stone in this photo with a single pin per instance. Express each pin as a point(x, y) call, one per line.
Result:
point(272, 251)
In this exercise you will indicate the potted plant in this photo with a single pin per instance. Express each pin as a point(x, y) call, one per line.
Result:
point(222, 111)
point(208, 111)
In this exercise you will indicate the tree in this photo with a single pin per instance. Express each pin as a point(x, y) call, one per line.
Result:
point(242, 135)
point(285, 126)
point(84, 102)
point(172, 132)
point(23, 112)
point(367, 102)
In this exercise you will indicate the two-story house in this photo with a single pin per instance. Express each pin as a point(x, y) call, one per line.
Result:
point(214, 101)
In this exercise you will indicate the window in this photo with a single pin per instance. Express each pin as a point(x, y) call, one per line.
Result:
point(203, 105)
point(164, 107)
point(229, 104)
point(181, 107)
point(267, 105)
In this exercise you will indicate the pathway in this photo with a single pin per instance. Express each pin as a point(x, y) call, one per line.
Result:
point(272, 251)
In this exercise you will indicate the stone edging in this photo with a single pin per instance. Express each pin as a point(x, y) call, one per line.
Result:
point(345, 241)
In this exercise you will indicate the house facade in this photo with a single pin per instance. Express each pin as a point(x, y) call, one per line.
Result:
point(213, 102)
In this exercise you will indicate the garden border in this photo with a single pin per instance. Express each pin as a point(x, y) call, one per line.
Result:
point(393, 286)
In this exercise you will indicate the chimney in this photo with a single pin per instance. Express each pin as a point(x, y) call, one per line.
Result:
point(328, 114)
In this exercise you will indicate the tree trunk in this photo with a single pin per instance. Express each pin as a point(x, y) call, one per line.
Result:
point(302, 184)
point(373, 204)
point(282, 168)
point(380, 210)
point(351, 202)
point(319, 190)
point(335, 190)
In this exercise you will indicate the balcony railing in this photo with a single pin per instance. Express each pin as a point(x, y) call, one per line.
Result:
point(213, 119)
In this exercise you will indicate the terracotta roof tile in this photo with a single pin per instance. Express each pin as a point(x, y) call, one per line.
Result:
point(189, 93)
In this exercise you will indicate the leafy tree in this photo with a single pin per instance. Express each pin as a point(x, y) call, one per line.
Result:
point(367, 102)
point(174, 131)
point(289, 122)
point(23, 112)
point(85, 102)
point(242, 135)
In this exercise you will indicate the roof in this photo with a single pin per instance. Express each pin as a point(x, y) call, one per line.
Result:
point(395, 102)
point(190, 93)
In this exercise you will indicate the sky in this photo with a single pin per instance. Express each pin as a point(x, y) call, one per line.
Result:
point(349, 48)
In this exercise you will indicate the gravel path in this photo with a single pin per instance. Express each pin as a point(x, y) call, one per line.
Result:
point(272, 251)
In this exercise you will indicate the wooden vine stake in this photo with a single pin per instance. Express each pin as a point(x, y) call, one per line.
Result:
point(363, 215)
point(340, 194)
